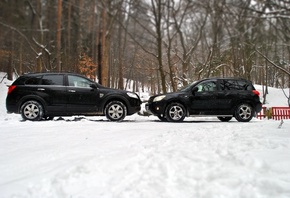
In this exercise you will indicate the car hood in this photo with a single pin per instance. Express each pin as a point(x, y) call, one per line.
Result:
point(111, 91)
point(171, 94)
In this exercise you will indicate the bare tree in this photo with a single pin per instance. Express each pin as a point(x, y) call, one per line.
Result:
point(58, 35)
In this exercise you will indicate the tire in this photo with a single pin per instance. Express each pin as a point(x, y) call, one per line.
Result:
point(175, 112)
point(115, 111)
point(31, 110)
point(244, 112)
point(224, 119)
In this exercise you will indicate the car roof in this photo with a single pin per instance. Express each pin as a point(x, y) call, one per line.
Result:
point(225, 78)
point(47, 73)
point(232, 78)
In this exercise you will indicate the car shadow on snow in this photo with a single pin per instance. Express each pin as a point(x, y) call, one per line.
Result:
point(81, 118)
point(103, 119)
point(191, 121)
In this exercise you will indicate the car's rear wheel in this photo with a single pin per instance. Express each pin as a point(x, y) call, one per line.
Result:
point(175, 112)
point(115, 111)
point(224, 119)
point(31, 110)
point(244, 113)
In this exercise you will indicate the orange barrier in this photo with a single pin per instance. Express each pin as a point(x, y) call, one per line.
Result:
point(279, 113)
point(262, 114)
point(276, 113)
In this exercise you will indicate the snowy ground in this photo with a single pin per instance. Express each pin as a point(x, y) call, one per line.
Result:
point(89, 157)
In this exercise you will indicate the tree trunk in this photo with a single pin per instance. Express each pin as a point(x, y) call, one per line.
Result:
point(10, 67)
point(58, 36)
point(103, 51)
point(157, 17)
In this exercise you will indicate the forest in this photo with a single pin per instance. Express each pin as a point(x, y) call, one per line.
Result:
point(159, 45)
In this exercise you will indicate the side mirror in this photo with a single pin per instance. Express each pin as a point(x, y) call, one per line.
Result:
point(194, 90)
point(93, 85)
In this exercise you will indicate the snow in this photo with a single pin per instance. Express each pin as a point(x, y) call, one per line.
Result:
point(90, 157)
point(275, 98)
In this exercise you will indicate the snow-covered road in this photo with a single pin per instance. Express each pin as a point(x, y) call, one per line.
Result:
point(142, 157)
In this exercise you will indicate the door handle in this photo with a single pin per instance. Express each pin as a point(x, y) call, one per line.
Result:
point(40, 89)
point(72, 91)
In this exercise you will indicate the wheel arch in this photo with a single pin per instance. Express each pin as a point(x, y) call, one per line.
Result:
point(240, 102)
point(31, 97)
point(111, 98)
point(176, 101)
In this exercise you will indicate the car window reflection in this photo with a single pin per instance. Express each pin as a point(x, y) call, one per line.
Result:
point(76, 81)
point(207, 86)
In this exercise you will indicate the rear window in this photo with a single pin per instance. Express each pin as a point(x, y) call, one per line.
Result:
point(236, 85)
point(52, 80)
point(27, 80)
point(33, 80)
point(21, 80)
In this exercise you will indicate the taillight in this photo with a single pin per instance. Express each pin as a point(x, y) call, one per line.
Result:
point(11, 88)
point(256, 92)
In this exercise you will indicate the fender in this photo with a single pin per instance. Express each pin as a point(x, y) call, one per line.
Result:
point(31, 97)
point(182, 100)
point(113, 96)
point(233, 109)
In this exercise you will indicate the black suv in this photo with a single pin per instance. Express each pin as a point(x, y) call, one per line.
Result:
point(221, 97)
point(45, 95)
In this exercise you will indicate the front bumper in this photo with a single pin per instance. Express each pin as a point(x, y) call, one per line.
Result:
point(134, 106)
point(155, 108)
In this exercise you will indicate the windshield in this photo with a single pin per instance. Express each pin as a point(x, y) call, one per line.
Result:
point(189, 86)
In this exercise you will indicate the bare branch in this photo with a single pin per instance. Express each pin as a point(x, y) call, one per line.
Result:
point(272, 63)
point(21, 34)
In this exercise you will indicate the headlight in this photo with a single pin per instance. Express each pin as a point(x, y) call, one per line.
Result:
point(132, 95)
point(158, 98)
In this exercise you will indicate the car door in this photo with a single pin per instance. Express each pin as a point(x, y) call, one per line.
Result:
point(53, 91)
point(82, 96)
point(232, 91)
point(203, 99)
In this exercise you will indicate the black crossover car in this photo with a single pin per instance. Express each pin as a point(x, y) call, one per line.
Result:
point(221, 97)
point(45, 95)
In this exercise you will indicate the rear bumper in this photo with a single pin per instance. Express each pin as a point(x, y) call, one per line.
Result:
point(12, 108)
point(258, 108)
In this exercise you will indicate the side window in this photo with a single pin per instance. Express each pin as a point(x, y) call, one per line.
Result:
point(244, 85)
point(228, 85)
point(207, 86)
point(77, 81)
point(33, 80)
point(52, 80)
point(235, 85)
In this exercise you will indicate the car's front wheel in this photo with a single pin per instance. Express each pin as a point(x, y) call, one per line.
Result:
point(31, 110)
point(115, 111)
point(175, 112)
point(244, 113)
